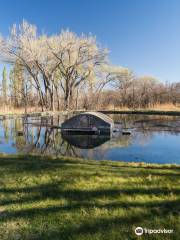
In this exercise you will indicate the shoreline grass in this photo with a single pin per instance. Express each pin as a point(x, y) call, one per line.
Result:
point(123, 111)
point(65, 198)
point(144, 111)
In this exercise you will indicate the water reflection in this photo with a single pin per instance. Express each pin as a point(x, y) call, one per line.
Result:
point(153, 139)
point(85, 141)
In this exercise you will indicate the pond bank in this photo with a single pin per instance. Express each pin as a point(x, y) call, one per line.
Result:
point(50, 113)
point(66, 198)
point(145, 112)
point(129, 111)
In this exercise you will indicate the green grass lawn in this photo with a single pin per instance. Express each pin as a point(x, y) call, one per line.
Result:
point(46, 198)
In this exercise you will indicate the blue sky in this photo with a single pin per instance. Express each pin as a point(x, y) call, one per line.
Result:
point(143, 35)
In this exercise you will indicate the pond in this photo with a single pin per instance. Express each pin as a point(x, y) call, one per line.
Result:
point(153, 139)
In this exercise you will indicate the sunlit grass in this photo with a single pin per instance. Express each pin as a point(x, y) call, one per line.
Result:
point(47, 198)
point(167, 107)
point(156, 107)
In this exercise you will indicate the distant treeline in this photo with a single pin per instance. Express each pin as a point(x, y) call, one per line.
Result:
point(66, 71)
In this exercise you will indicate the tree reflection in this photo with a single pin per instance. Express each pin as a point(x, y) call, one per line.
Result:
point(6, 130)
point(85, 141)
point(46, 141)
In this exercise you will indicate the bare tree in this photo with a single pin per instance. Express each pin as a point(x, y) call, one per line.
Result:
point(31, 52)
point(70, 71)
point(78, 58)
point(73, 57)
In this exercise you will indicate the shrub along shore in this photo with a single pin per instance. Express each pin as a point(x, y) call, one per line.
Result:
point(65, 198)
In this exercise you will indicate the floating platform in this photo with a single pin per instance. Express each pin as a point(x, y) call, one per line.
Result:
point(80, 131)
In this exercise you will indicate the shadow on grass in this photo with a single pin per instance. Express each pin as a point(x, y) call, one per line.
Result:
point(58, 189)
point(55, 191)
point(156, 207)
point(86, 199)
point(100, 225)
point(35, 164)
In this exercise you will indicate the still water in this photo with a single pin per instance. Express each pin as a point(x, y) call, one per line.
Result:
point(153, 139)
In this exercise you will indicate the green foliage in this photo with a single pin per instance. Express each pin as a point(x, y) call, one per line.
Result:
point(17, 84)
point(48, 198)
point(4, 84)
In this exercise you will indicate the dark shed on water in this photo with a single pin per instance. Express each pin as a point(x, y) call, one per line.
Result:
point(89, 122)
